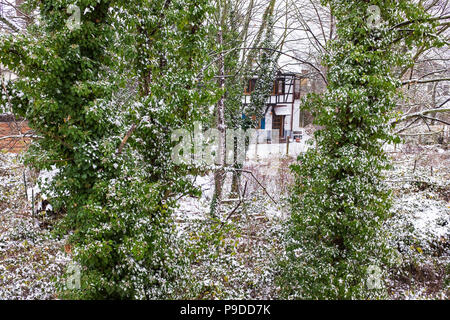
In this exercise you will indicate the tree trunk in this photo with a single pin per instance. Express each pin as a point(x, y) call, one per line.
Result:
point(219, 175)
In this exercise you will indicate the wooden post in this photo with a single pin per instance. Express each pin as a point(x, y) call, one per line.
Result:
point(25, 184)
point(32, 202)
point(292, 114)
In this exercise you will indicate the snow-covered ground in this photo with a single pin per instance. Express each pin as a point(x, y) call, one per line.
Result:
point(235, 253)
point(278, 150)
point(31, 260)
point(420, 225)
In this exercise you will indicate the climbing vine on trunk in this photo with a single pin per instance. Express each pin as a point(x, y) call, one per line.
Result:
point(335, 244)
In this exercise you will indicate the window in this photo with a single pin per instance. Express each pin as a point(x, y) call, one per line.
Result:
point(298, 88)
point(250, 86)
point(278, 87)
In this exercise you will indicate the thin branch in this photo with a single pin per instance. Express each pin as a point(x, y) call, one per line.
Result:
point(405, 23)
point(21, 136)
point(419, 114)
point(417, 81)
point(438, 120)
point(268, 49)
point(251, 173)
point(125, 139)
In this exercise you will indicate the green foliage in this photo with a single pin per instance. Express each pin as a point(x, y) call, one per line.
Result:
point(339, 201)
point(266, 76)
point(239, 75)
point(234, 83)
point(129, 250)
point(129, 65)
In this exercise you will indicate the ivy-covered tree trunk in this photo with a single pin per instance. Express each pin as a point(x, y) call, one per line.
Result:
point(335, 244)
point(255, 111)
point(219, 174)
point(116, 181)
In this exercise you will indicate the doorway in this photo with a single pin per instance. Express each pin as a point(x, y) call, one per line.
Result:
point(278, 124)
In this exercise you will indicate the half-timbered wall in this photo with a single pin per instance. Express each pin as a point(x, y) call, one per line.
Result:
point(284, 103)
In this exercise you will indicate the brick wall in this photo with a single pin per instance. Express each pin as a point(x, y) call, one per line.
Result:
point(13, 128)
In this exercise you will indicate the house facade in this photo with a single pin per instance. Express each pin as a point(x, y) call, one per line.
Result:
point(283, 117)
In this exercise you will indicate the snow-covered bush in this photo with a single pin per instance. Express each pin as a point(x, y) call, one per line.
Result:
point(336, 248)
point(104, 99)
point(129, 249)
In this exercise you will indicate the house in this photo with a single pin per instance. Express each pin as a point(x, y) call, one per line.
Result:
point(283, 117)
